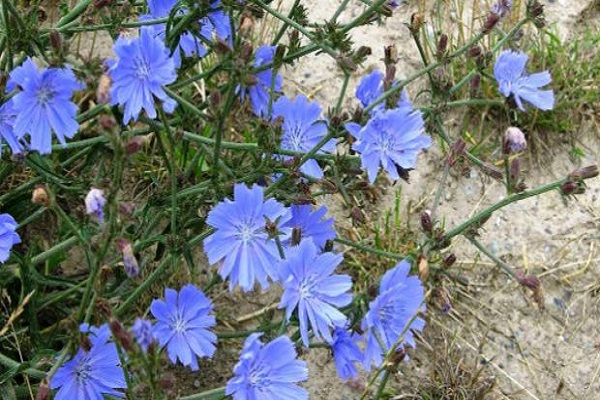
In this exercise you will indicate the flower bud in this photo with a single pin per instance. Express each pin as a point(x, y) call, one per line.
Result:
point(346, 63)
point(475, 51)
point(416, 21)
point(390, 54)
point(490, 23)
point(132, 268)
point(103, 90)
point(513, 141)
point(449, 260)
point(43, 390)
point(55, 40)
point(423, 265)
point(40, 196)
point(94, 203)
point(572, 187)
point(122, 336)
point(426, 223)
point(588, 172)
point(102, 3)
point(246, 25)
point(246, 52)
point(358, 217)
point(221, 46)
point(136, 143)
point(442, 46)
point(474, 85)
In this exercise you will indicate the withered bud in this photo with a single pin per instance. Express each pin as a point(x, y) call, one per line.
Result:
point(132, 268)
point(588, 172)
point(296, 236)
point(475, 51)
point(390, 76)
point(303, 199)
point(449, 260)
point(271, 227)
point(386, 10)
point(102, 3)
point(423, 265)
point(103, 308)
point(103, 89)
point(539, 22)
point(572, 187)
point(107, 122)
point(55, 40)
point(246, 24)
point(40, 196)
point(328, 186)
point(442, 298)
point(346, 63)
point(442, 46)
point(122, 336)
point(490, 23)
point(43, 390)
point(85, 343)
point(251, 80)
point(474, 85)
point(167, 381)
point(363, 51)
point(398, 356)
point(105, 273)
point(515, 169)
point(136, 143)
point(535, 9)
point(416, 21)
point(246, 52)
point(221, 46)
point(390, 54)
point(278, 56)
point(426, 223)
point(456, 151)
point(358, 216)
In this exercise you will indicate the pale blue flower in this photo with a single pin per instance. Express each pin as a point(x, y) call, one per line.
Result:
point(142, 332)
point(241, 244)
point(308, 224)
point(90, 375)
point(509, 71)
point(182, 325)
point(391, 138)
point(142, 68)
point(400, 298)
point(346, 353)
point(370, 88)
point(8, 236)
point(268, 371)
point(302, 130)
point(94, 203)
point(43, 104)
point(260, 92)
point(310, 287)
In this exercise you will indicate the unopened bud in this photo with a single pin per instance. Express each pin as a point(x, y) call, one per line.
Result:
point(55, 40)
point(102, 3)
point(535, 9)
point(513, 141)
point(103, 90)
point(346, 63)
point(390, 54)
point(105, 273)
point(474, 85)
point(363, 52)
point(107, 121)
point(246, 52)
point(246, 24)
point(358, 216)
point(40, 196)
point(126, 209)
point(43, 390)
point(122, 336)
point(490, 23)
point(491, 171)
point(426, 223)
point(103, 308)
point(571, 187)
point(442, 46)
point(588, 172)
point(132, 268)
point(449, 260)
point(416, 21)
point(475, 51)
point(137, 142)
point(167, 381)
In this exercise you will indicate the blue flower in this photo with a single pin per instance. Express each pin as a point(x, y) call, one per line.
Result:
point(302, 130)
point(307, 224)
point(182, 325)
point(8, 116)
point(44, 104)
point(142, 331)
point(138, 75)
point(502, 7)
point(241, 244)
point(370, 88)
point(260, 91)
point(390, 138)
point(8, 236)
point(94, 203)
point(509, 71)
point(400, 298)
point(89, 375)
point(215, 22)
point(346, 353)
point(310, 287)
point(268, 372)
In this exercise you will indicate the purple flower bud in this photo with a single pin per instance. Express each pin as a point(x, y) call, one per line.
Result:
point(132, 268)
point(94, 203)
point(513, 141)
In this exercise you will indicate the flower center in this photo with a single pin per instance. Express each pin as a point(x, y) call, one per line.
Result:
point(306, 288)
point(83, 370)
point(179, 325)
point(45, 94)
point(258, 378)
point(142, 71)
point(245, 232)
point(297, 138)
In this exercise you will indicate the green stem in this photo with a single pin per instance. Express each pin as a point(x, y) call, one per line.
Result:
point(505, 267)
point(15, 365)
point(212, 394)
point(369, 249)
point(78, 10)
